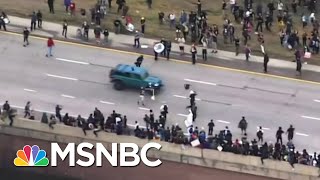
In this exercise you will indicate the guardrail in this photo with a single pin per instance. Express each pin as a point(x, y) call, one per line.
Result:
point(171, 152)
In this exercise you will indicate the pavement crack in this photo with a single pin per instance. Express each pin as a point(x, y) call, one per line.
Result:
point(99, 65)
point(216, 102)
point(94, 82)
point(233, 87)
point(269, 91)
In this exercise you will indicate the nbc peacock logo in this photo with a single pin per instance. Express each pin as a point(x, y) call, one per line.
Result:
point(31, 156)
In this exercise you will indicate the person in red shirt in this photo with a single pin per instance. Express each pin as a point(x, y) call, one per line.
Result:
point(72, 8)
point(50, 45)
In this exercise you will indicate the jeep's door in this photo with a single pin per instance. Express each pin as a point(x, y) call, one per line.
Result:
point(136, 81)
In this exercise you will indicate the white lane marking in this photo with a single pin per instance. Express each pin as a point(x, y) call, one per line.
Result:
point(145, 109)
point(184, 97)
point(144, 46)
point(62, 77)
point(184, 115)
point(309, 117)
point(302, 134)
point(264, 128)
point(30, 90)
point(201, 82)
point(222, 121)
point(106, 102)
point(178, 96)
point(67, 96)
point(316, 100)
point(72, 61)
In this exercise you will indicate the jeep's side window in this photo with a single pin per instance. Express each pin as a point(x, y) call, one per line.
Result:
point(127, 74)
point(135, 76)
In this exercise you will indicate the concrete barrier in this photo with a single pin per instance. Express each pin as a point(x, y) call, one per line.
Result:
point(171, 152)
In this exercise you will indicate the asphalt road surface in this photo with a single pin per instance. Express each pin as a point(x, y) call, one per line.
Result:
point(77, 78)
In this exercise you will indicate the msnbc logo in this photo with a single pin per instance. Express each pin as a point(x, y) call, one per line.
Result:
point(31, 156)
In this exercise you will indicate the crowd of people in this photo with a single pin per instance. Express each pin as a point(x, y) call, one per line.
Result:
point(158, 129)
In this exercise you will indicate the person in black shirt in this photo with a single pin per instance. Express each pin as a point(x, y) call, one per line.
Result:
point(168, 48)
point(199, 7)
point(290, 133)
point(58, 114)
point(64, 28)
point(210, 125)
point(237, 44)
point(265, 62)
point(143, 24)
point(260, 22)
point(39, 18)
point(86, 27)
point(25, 37)
point(106, 35)
point(298, 61)
point(139, 61)
point(279, 135)
point(51, 6)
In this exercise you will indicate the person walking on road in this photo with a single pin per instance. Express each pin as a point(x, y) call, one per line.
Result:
point(51, 6)
point(64, 28)
point(290, 133)
point(139, 61)
point(39, 18)
point(279, 135)
point(27, 110)
point(243, 124)
point(210, 125)
point(26, 33)
point(193, 51)
point(265, 62)
point(50, 45)
point(260, 134)
point(33, 21)
point(141, 97)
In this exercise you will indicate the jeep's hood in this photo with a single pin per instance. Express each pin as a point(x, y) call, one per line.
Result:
point(153, 80)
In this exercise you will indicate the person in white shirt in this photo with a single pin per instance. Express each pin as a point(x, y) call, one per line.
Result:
point(204, 41)
point(172, 18)
point(232, 4)
point(280, 7)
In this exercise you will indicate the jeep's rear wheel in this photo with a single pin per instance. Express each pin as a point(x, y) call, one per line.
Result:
point(118, 85)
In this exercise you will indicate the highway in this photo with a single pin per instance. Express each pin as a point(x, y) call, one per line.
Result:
point(77, 78)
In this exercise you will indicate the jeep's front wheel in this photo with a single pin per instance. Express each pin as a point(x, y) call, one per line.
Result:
point(118, 85)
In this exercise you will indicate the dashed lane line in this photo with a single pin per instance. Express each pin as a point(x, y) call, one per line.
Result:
point(201, 82)
point(222, 121)
point(106, 102)
point(316, 100)
point(62, 77)
point(309, 117)
point(30, 90)
point(143, 108)
point(68, 96)
point(302, 134)
point(72, 61)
